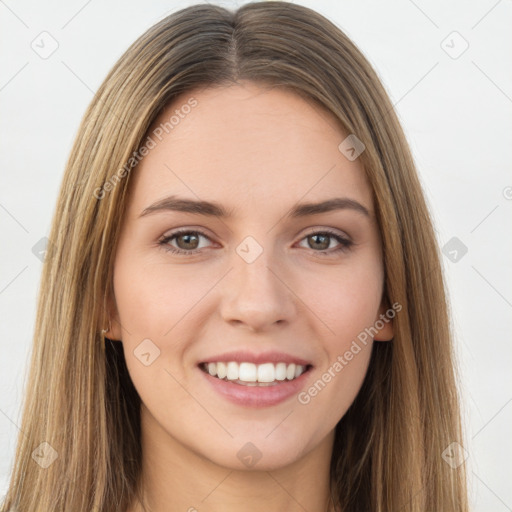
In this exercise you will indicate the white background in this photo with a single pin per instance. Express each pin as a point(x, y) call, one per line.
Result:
point(456, 115)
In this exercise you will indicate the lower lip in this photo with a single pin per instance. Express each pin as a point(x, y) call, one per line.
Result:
point(257, 396)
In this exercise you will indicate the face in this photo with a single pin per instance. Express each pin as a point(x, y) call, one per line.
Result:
point(269, 296)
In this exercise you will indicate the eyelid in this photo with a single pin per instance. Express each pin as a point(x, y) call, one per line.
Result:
point(188, 229)
point(323, 229)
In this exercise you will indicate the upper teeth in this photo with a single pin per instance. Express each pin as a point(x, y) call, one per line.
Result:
point(250, 372)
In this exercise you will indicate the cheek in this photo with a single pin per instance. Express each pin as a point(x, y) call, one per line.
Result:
point(347, 306)
point(335, 387)
point(152, 298)
point(154, 304)
point(346, 301)
point(158, 310)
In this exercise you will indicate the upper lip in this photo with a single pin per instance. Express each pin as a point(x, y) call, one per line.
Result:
point(241, 356)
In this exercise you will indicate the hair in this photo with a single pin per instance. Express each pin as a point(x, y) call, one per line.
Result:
point(387, 453)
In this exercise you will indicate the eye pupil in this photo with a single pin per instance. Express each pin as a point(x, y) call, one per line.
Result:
point(325, 244)
point(187, 237)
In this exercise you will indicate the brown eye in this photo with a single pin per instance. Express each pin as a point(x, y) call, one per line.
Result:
point(319, 241)
point(187, 242)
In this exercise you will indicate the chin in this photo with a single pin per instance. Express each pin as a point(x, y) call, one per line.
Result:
point(256, 453)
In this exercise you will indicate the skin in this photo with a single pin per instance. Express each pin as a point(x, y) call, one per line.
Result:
point(259, 152)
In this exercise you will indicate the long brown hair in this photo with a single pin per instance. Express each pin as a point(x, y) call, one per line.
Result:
point(79, 398)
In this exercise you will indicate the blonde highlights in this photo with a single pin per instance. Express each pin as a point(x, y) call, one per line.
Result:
point(80, 399)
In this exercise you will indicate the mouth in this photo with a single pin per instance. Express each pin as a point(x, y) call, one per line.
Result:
point(251, 374)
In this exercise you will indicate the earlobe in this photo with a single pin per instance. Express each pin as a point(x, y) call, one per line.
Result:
point(384, 324)
point(112, 327)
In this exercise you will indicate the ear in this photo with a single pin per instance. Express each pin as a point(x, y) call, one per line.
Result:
point(384, 323)
point(114, 333)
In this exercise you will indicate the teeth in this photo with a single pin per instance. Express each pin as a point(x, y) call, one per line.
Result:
point(247, 372)
point(266, 372)
point(221, 370)
point(250, 372)
point(232, 373)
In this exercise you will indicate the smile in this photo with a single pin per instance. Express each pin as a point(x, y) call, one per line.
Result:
point(250, 374)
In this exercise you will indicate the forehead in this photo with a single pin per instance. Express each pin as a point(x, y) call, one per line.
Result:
point(249, 148)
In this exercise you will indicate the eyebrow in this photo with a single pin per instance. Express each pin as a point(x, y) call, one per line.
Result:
point(213, 209)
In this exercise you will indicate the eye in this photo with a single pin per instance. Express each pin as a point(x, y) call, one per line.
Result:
point(322, 240)
point(188, 242)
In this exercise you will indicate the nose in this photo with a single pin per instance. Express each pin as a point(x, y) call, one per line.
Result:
point(256, 295)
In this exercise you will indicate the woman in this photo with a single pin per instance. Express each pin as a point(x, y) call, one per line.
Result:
point(195, 348)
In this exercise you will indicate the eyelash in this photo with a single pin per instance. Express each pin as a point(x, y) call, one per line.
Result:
point(345, 244)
